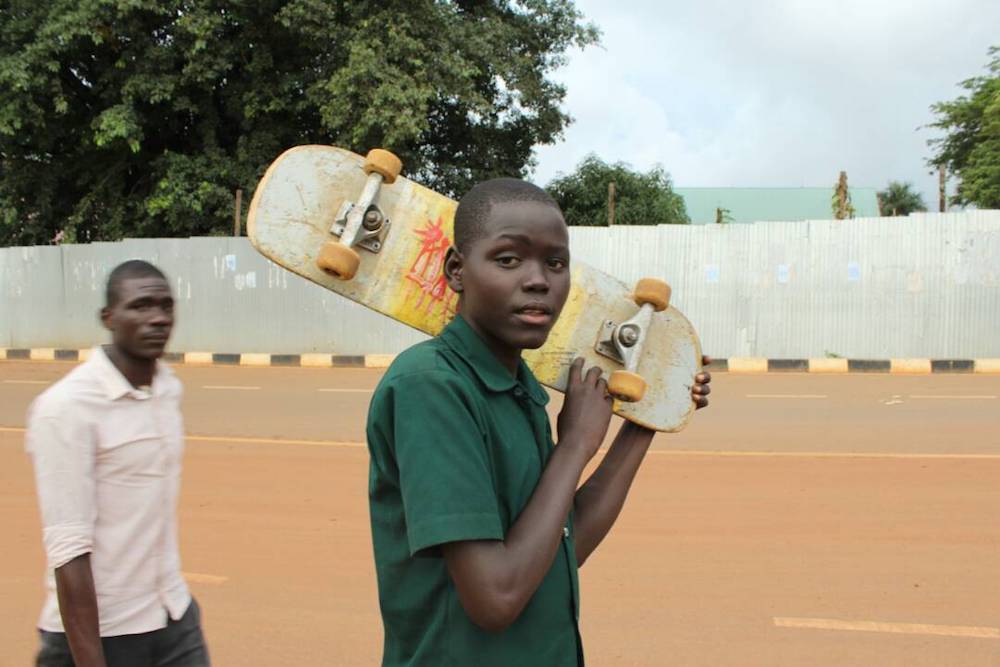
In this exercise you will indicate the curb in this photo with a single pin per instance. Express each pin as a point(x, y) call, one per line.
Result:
point(759, 365)
point(255, 359)
point(735, 365)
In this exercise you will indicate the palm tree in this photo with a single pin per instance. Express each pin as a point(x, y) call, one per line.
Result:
point(900, 199)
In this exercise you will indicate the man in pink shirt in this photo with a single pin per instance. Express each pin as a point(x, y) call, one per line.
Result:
point(106, 442)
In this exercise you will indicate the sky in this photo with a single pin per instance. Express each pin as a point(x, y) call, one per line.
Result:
point(779, 93)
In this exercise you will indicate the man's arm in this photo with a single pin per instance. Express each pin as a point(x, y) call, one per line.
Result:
point(496, 579)
point(601, 498)
point(63, 452)
point(78, 608)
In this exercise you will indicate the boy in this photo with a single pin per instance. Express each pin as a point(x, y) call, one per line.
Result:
point(477, 523)
point(107, 442)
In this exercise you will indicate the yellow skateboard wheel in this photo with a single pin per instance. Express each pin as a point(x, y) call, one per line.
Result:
point(381, 161)
point(626, 386)
point(654, 292)
point(337, 260)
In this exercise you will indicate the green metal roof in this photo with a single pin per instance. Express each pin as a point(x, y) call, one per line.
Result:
point(772, 204)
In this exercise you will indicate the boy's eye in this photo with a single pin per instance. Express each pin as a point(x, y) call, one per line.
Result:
point(557, 263)
point(508, 261)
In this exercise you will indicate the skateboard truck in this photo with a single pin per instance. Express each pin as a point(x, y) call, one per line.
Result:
point(369, 234)
point(623, 341)
point(360, 223)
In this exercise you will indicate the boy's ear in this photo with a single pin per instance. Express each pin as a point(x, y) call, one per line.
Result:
point(105, 317)
point(453, 264)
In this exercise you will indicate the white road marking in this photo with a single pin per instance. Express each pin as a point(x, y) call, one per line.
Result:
point(27, 382)
point(881, 626)
point(275, 441)
point(786, 396)
point(227, 387)
point(197, 578)
point(954, 397)
point(347, 391)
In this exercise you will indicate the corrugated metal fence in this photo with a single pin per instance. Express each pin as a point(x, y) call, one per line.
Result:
point(923, 286)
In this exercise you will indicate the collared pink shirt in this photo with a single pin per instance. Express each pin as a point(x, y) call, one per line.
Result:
point(107, 460)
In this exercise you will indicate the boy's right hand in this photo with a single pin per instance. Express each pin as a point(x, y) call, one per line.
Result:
point(586, 412)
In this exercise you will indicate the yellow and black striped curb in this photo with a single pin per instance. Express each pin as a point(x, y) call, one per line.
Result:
point(736, 365)
point(752, 365)
point(309, 360)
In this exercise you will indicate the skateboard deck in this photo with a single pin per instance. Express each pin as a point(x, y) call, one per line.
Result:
point(300, 197)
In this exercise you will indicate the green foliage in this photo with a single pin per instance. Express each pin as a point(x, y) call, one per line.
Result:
point(640, 199)
point(900, 199)
point(970, 148)
point(142, 117)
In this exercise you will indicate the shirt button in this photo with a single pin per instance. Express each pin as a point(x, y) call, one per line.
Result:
point(565, 532)
point(518, 392)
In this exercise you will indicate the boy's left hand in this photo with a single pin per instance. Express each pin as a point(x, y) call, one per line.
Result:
point(701, 390)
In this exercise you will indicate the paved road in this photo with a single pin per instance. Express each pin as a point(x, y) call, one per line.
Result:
point(779, 412)
point(801, 520)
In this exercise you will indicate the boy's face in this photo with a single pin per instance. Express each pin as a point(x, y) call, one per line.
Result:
point(514, 279)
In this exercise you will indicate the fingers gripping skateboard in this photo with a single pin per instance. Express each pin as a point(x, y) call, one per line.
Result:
point(360, 223)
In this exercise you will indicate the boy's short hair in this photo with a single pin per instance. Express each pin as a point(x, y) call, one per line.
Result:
point(474, 208)
point(133, 268)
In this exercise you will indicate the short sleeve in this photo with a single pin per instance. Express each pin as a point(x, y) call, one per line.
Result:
point(445, 472)
point(63, 453)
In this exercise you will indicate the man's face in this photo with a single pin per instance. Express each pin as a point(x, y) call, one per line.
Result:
point(514, 280)
point(141, 318)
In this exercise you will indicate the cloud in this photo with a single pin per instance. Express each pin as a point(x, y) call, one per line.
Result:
point(778, 93)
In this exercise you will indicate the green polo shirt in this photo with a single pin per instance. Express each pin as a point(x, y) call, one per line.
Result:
point(457, 447)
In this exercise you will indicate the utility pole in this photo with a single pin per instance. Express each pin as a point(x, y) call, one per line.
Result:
point(611, 204)
point(237, 214)
point(942, 201)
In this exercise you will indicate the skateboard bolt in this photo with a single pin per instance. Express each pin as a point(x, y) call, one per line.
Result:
point(629, 336)
point(373, 220)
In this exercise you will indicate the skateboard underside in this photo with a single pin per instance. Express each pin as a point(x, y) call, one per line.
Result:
point(295, 206)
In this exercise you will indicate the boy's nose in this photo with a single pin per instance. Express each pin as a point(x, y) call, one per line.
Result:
point(535, 279)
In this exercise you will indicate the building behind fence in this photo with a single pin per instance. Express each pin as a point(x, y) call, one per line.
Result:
point(923, 286)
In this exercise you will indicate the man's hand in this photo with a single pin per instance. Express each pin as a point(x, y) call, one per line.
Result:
point(586, 412)
point(701, 390)
point(78, 608)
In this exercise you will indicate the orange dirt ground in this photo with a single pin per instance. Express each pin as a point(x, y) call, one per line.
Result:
point(798, 501)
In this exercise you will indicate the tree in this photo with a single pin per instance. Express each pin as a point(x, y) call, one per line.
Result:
point(640, 198)
point(840, 203)
point(900, 199)
point(142, 117)
point(970, 148)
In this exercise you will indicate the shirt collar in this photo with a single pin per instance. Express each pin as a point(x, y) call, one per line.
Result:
point(116, 385)
point(460, 337)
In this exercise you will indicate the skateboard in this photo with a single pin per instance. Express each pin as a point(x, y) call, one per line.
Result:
point(355, 226)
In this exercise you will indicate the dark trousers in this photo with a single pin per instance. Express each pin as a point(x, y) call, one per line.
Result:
point(180, 644)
